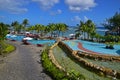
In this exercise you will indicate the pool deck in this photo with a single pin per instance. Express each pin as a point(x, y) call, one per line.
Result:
point(84, 49)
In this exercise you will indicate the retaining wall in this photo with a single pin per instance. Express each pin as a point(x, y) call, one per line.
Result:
point(89, 65)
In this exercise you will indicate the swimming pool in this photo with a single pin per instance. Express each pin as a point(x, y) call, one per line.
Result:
point(42, 41)
point(20, 37)
point(95, 47)
point(15, 37)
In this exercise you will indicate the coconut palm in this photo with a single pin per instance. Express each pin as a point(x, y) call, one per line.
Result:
point(61, 28)
point(25, 23)
point(90, 28)
point(82, 28)
point(113, 23)
point(15, 25)
point(64, 28)
point(52, 28)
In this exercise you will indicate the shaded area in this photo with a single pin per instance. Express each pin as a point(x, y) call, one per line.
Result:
point(118, 52)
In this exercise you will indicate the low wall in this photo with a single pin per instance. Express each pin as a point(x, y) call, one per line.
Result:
point(98, 56)
point(65, 47)
point(52, 58)
point(89, 65)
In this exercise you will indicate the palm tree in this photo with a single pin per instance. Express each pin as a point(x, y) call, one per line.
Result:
point(64, 27)
point(25, 22)
point(82, 28)
point(61, 28)
point(15, 25)
point(52, 28)
point(40, 29)
point(90, 28)
point(37, 28)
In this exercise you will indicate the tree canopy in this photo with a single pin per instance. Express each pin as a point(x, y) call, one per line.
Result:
point(113, 23)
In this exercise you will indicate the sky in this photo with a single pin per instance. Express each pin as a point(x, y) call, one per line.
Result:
point(69, 12)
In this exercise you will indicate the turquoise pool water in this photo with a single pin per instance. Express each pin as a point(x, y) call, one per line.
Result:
point(14, 37)
point(42, 41)
point(20, 37)
point(96, 47)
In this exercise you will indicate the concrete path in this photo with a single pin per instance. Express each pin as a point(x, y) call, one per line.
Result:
point(23, 64)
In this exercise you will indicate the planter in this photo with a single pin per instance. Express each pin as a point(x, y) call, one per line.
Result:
point(109, 47)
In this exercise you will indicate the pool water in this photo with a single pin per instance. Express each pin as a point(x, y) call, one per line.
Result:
point(95, 47)
point(72, 44)
point(14, 37)
point(42, 41)
point(20, 37)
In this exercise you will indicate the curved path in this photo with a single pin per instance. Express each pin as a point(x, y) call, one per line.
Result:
point(23, 64)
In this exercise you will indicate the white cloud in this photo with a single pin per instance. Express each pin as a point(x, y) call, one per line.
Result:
point(76, 19)
point(2, 17)
point(46, 4)
point(85, 18)
point(59, 11)
point(56, 12)
point(13, 6)
point(79, 5)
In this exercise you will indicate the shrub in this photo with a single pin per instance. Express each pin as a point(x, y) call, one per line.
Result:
point(51, 68)
point(6, 48)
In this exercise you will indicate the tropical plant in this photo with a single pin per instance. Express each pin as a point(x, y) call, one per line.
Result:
point(15, 25)
point(25, 23)
point(113, 23)
point(61, 28)
point(3, 31)
point(52, 28)
point(87, 27)
point(91, 28)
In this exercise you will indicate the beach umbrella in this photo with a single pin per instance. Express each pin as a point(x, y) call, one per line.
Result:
point(71, 35)
point(27, 38)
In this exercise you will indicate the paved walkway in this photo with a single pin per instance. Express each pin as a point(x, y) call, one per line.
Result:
point(23, 64)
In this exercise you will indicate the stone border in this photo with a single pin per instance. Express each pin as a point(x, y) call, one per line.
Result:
point(52, 58)
point(99, 69)
point(99, 56)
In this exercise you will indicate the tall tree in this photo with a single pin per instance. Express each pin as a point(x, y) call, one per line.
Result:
point(25, 22)
point(52, 28)
point(91, 28)
point(15, 25)
point(113, 23)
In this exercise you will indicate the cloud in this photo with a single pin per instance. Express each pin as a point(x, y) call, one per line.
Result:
point(56, 12)
point(46, 4)
point(76, 19)
point(85, 18)
point(80, 5)
point(2, 17)
point(13, 6)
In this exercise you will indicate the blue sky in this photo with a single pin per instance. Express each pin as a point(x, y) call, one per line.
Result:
point(57, 11)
